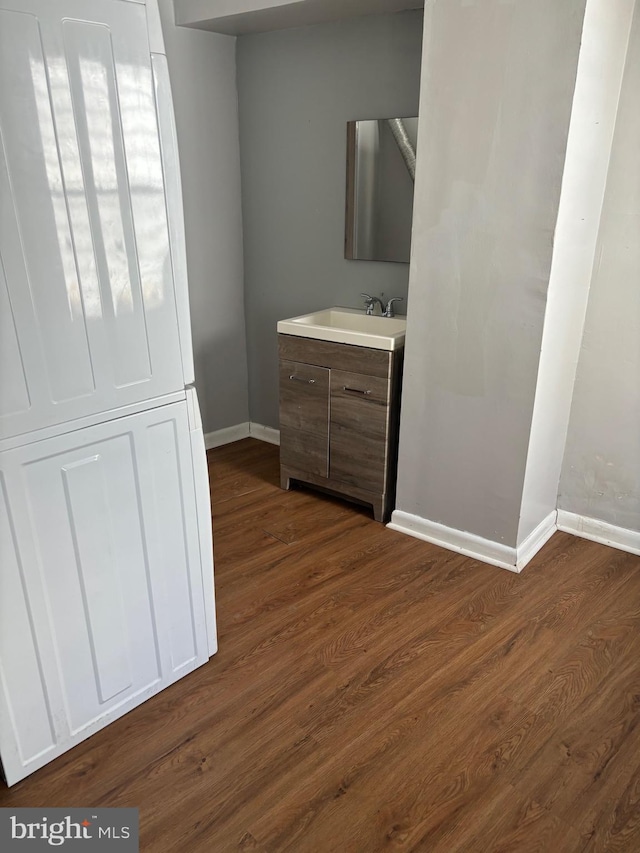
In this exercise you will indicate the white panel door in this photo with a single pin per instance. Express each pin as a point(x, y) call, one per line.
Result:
point(88, 318)
point(101, 590)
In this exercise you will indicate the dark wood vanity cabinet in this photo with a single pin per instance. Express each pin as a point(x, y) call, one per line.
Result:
point(339, 408)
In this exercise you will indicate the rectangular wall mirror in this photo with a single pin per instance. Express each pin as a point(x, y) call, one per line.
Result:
point(381, 161)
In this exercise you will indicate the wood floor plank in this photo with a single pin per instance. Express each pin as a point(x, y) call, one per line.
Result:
point(502, 821)
point(374, 692)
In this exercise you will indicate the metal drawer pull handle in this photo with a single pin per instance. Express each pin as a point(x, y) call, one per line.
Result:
point(354, 390)
point(299, 379)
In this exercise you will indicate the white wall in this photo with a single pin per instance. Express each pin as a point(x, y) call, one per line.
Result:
point(203, 80)
point(601, 470)
point(603, 50)
point(497, 89)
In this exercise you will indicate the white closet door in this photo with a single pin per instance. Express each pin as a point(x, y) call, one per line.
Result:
point(88, 317)
point(101, 601)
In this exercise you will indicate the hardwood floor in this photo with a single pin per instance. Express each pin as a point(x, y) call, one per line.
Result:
point(374, 692)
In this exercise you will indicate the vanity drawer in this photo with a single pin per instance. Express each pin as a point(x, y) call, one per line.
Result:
point(304, 417)
point(360, 407)
point(373, 362)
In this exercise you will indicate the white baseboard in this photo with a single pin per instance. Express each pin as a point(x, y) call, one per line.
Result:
point(485, 550)
point(468, 544)
point(226, 435)
point(264, 433)
point(538, 537)
point(239, 431)
point(599, 531)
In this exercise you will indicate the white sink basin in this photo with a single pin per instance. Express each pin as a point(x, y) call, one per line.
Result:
point(348, 326)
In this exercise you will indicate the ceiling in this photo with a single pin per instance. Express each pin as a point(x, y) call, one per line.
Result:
point(237, 17)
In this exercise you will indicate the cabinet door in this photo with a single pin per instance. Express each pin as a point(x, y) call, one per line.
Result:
point(304, 417)
point(359, 427)
point(88, 318)
point(102, 599)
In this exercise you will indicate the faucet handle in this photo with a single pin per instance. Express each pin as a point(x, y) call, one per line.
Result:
point(369, 303)
point(388, 311)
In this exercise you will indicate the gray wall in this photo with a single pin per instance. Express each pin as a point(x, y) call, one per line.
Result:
point(203, 81)
point(601, 471)
point(297, 90)
point(491, 145)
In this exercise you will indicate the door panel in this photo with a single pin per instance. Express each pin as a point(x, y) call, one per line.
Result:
point(304, 417)
point(99, 121)
point(106, 556)
point(82, 507)
point(84, 241)
point(36, 241)
point(359, 421)
point(26, 712)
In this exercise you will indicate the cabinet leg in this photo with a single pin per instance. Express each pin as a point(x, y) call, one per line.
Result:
point(380, 509)
point(285, 480)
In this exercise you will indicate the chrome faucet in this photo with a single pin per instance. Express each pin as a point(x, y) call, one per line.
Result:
point(370, 304)
point(388, 311)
